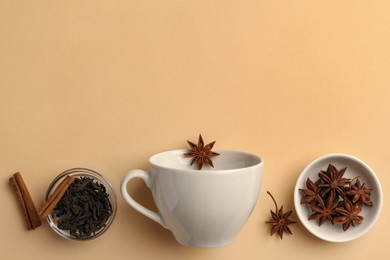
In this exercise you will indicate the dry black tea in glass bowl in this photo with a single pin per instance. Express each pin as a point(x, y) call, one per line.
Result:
point(87, 208)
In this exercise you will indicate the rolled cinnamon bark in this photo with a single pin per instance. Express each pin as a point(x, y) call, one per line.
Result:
point(55, 197)
point(22, 205)
point(26, 203)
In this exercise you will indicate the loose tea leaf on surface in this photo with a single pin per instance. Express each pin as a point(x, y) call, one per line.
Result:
point(279, 221)
point(201, 154)
point(84, 208)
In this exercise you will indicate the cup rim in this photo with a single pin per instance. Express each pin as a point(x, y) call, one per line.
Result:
point(152, 162)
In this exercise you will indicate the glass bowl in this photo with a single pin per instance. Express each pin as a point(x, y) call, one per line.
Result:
point(100, 179)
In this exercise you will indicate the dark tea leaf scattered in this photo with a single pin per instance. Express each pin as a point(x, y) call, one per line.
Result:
point(84, 209)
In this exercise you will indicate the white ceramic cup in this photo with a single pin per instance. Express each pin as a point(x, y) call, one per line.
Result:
point(202, 208)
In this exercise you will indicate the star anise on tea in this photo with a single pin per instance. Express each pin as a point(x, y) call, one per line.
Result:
point(349, 215)
point(201, 154)
point(312, 193)
point(359, 193)
point(333, 181)
point(325, 211)
point(279, 221)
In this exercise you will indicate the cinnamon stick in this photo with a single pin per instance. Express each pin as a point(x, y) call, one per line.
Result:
point(29, 206)
point(21, 202)
point(55, 197)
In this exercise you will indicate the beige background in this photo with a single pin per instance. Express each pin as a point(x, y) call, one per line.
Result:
point(106, 84)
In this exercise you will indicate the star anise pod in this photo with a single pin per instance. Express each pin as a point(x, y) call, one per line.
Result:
point(349, 215)
point(201, 154)
point(333, 181)
point(359, 193)
point(324, 212)
point(311, 195)
point(345, 198)
point(279, 221)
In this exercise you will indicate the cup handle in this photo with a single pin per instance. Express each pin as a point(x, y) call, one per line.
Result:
point(141, 209)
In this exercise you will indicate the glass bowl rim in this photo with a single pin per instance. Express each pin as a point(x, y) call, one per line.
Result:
point(80, 171)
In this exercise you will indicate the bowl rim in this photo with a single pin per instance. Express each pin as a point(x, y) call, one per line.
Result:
point(80, 171)
point(305, 173)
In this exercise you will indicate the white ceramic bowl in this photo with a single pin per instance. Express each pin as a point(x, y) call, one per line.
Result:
point(355, 167)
